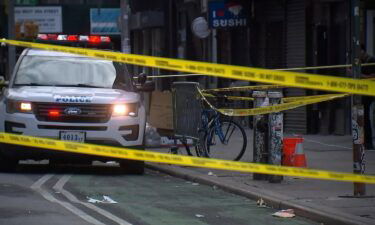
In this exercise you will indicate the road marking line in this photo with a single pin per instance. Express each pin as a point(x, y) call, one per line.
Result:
point(37, 186)
point(59, 186)
point(41, 181)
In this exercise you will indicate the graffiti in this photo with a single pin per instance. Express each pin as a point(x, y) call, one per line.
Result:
point(362, 160)
point(259, 138)
point(275, 137)
point(260, 133)
point(275, 134)
point(359, 164)
point(355, 131)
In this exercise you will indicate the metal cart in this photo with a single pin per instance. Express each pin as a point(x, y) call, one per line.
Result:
point(187, 111)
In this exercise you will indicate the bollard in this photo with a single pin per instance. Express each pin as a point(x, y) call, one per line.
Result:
point(260, 153)
point(275, 135)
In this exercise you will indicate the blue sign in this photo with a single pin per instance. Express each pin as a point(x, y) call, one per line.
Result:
point(104, 21)
point(227, 14)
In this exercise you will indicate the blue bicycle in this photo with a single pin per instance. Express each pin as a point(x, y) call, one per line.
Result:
point(221, 137)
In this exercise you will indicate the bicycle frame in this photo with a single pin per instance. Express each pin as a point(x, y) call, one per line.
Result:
point(213, 122)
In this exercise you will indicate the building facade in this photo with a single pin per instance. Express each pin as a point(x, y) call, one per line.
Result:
point(276, 34)
point(256, 33)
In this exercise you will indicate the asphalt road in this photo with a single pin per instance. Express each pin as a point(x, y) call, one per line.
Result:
point(40, 194)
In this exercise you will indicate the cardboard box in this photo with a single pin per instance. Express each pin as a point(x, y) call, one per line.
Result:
point(161, 111)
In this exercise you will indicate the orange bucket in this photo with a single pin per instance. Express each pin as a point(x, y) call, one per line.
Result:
point(289, 148)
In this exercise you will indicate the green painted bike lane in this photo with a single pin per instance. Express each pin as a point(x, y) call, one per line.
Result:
point(156, 198)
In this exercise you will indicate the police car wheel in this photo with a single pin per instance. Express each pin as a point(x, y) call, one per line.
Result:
point(133, 167)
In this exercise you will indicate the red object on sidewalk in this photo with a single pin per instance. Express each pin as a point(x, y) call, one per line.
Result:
point(289, 148)
point(299, 158)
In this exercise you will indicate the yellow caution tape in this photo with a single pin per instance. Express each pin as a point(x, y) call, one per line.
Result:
point(291, 103)
point(175, 75)
point(277, 108)
point(125, 153)
point(239, 98)
point(303, 98)
point(294, 79)
point(257, 87)
point(245, 88)
point(317, 67)
point(328, 83)
point(285, 99)
point(326, 67)
point(285, 69)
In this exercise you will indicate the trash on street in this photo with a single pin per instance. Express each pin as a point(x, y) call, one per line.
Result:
point(105, 200)
point(287, 213)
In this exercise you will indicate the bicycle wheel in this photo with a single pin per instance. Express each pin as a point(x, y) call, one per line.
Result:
point(226, 142)
point(201, 151)
point(200, 147)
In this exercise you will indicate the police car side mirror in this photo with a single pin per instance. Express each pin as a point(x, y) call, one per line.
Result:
point(141, 79)
point(148, 86)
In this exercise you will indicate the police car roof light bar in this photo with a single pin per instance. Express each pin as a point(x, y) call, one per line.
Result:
point(92, 39)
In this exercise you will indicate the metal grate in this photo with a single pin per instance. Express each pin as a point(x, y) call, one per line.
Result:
point(186, 109)
point(88, 113)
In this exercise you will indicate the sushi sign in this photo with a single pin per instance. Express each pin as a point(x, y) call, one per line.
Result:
point(227, 14)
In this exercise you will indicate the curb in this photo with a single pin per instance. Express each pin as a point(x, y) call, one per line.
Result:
point(321, 214)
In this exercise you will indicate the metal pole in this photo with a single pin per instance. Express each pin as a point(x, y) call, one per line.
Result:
point(11, 35)
point(260, 153)
point(125, 33)
point(275, 132)
point(170, 30)
point(357, 107)
point(213, 80)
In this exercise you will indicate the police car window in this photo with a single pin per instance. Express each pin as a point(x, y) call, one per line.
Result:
point(65, 71)
point(122, 80)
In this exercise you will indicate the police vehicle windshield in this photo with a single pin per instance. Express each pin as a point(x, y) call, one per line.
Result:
point(37, 70)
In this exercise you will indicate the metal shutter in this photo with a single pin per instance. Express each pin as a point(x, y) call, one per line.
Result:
point(295, 121)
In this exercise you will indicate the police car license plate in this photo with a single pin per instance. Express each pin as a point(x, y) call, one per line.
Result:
point(74, 136)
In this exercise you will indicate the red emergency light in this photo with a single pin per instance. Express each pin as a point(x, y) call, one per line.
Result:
point(54, 113)
point(94, 39)
point(72, 38)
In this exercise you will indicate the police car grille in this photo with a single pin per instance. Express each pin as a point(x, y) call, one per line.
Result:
point(89, 113)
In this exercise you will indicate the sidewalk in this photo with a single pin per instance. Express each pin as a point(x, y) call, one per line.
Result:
point(323, 201)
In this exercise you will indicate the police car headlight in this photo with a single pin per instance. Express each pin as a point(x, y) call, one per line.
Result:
point(128, 109)
point(19, 107)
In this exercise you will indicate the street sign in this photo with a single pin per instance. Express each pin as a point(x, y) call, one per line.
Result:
point(104, 21)
point(48, 18)
point(227, 14)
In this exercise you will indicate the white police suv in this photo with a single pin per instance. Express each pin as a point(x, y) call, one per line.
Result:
point(71, 98)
